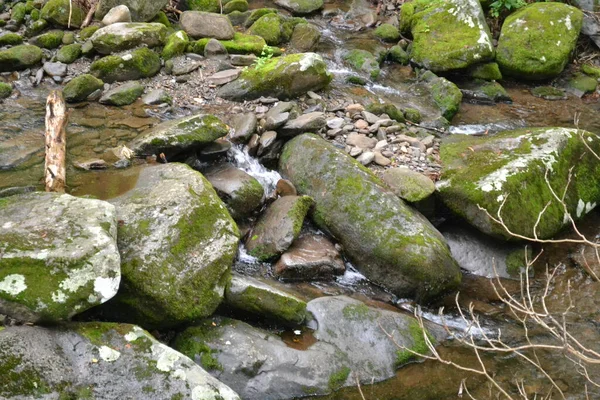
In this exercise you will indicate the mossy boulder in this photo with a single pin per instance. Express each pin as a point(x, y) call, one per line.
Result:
point(537, 41)
point(548, 93)
point(363, 61)
point(509, 169)
point(274, 28)
point(399, 55)
point(387, 33)
point(447, 35)
point(10, 39)
point(256, 14)
point(388, 241)
point(49, 40)
point(300, 7)
point(199, 24)
point(581, 84)
point(176, 45)
point(484, 91)
point(488, 71)
point(87, 32)
point(60, 263)
point(123, 95)
point(120, 359)
point(18, 12)
point(282, 77)
point(20, 57)
point(445, 94)
point(57, 13)
point(235, 5)
point(387, 108)
point(179, 135)
point(5, 90)
point(176, 233)
point(262, 299)
point(128, 35)
point(241, 192)
point(212, 6)
point(69, 53)
point(408, 184)
point(240, 44)
point(141, 10)
point(138, 64)
point(80, 87)
point(305, 37)
point(36, 27)
point(278, 227)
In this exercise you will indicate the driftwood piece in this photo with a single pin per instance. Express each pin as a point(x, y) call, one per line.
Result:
point(90, 14)
point(56, 142)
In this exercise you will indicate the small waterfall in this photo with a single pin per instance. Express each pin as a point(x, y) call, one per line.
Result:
point(351, 276)
point(244, 161)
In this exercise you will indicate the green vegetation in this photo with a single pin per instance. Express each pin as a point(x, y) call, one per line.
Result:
point(500, 6)
point(338, 378)
point(419, 344)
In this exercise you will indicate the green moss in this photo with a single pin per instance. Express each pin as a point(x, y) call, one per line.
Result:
point(69, 53)
point(588, 69)
point(5, 90)
point(20, 57)
point(397, 54)
point(235, 5)
point(193, 342)
point(161, 18)
point(18, 13)
point(49, 40)
point(488, 72)
point(338, 378)
point(255, 15)
point(583, 83)
point(548, 92)
point(10, 39)
point(517, 261)
point(387, 33)
point(126, 96)
point(87, 32)
point(269, 28)
point(298, 212)
point(19, 378)
point(445, 94)
point(412, 115)
point(358, 312)
point(419, 344)
point(241, 44)
point(143, 63)
point(80, 87)
point(57, 13)
point(176, 45)
point(35, 14)
point(356, 80)
point(212, 6)
point(363, 61)
point(387, 108)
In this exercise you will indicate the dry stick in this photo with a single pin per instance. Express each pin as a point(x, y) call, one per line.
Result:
point(90, 15)
point(70, 13)
point(56, 123)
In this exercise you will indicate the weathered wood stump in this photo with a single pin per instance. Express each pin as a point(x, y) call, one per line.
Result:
point(56, 143)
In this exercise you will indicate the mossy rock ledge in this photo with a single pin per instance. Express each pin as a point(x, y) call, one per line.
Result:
point(177, 243)
point(128, 35)
point(59, 256)
point(131, 66)
point(282, 77)
point(98, 361)
point(509, 168)
point(537, 41)
point(448, 34)
point(350, 338)
point(388, 241)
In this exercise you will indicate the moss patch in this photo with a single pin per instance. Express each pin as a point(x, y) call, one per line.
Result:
point(419, 344)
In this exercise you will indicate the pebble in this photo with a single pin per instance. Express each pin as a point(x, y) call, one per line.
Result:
point(335, 123)
point(381, 160)
point(361, 124)
point(366, 158)
point(355, 151)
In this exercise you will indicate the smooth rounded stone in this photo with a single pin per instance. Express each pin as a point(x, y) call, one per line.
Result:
point(243, 126)
point(300, 7)
point(361, 124)
point(361, 141)
point(381, 160)
point(235, 5)
point(217, 148)
point(157, 96)
point(580, 84)
point(182, 65)
point(242, 60)
point(260, 366)
point(223, 77)
point(241, 193)
point(370, 117)
point(57, 12)
point(494, 172)
point(311, 257)
point(305, 37)
point(278, 227)
point(332, 133)
point(537, 41)
point(131, 66)
point(123, 95)
point(266, 140)
point(140, 10)
point(69, 53)
point(335, 123)
point(366, 158)
point(445, 94)
point(355, 151)
point(55, 68)
point(363, 61)
point(275, 121)
point(96, 360)
point(215, 49)
point(176, 45)
point(199, 24)
point(59, 256)
point(94, 164)
point(261, 298)
point(10, 39)
point(252, 145)
point(179, 135)
point(116, 14)
point(388, 241)
point(408, 184)
point(79, 88)
point(310, 122)
point(20, 57)
point(485, 92)
point(428, 141)
point(449, 36)
point(548, 93)
point(176, 233)
point(128, 35)
point(285, 188)
point(283, 77)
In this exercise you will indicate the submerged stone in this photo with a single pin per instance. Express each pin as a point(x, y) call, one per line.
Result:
point(509, 168)
point(388, 241)
point(59, 256)
point(80, 87)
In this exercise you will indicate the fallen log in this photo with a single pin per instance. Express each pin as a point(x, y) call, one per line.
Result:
point(56, 142)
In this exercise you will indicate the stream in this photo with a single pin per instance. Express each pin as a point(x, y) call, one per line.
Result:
point(97, 131)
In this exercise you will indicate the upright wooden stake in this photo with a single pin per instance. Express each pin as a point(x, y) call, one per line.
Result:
point(56, 142)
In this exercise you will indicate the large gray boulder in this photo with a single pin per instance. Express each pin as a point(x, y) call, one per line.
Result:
point(591, 25)
point(179, 135)
point(260, 366)
point(133, 65)
point(282, 77)
point(448, 35)
point(509, 169)
point(128, 35)
point(177, 243)
point(387, 240)
point(59, 255)
point(198, 24)
point(98, 361)
point(537, 41)
point(141, 10)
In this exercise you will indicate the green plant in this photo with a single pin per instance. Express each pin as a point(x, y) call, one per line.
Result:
point(499, 6)
point(265, 55)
